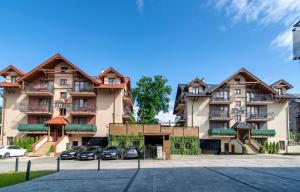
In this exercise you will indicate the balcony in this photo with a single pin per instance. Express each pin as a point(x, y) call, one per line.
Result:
point(259, 99)
point(36, 110)
point(221, 100)
point(38, 91)
point(181, 104)
point(127, 99)
point(83, 111)
point(263, 132)
point(181, 119)
point(219, 116)
point(260, 117)
point(222, 132)
point(83, 92)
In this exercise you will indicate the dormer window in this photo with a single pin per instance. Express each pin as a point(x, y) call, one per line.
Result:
point(64, 69)
point(279, 91)
point(112, 81)
point(196, 90)
point(14, 79)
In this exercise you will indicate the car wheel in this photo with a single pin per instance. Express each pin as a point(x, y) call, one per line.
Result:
point(6, 155)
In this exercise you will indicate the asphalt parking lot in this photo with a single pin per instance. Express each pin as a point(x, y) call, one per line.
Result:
point(202, 173)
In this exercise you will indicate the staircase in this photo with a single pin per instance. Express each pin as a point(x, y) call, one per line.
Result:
point(249, 149)
point(43, 150)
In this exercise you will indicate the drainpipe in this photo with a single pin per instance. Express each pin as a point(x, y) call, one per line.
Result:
point(193, 110)
point(114, 107)
point(3, 118)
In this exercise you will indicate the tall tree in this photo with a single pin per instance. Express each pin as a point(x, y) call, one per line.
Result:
point(152, 96)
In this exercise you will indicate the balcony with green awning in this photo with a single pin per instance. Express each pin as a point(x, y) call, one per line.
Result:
point(32, 128)
point(80, 128)
point(263, 133)
point(221, 132)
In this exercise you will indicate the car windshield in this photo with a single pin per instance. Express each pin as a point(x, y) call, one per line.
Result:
point(89, 148)
point(110, 148)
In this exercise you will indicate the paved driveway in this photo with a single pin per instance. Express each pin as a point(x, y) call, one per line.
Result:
point(208, 173)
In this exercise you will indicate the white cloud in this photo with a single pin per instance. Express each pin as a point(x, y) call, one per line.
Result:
point(140, 5)
point(264, 12)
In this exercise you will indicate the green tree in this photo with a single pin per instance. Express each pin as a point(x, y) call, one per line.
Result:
point(152, 96)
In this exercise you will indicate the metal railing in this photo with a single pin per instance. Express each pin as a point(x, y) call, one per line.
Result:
point(219, 115)
point(83, 89)
point(260, 116)
point(39, 89)
point(216, 98)
point(35, 108)
point(90, 108)
point(259, 97)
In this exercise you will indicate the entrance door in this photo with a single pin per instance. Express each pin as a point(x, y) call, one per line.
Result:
point(226, 148)
point(56, 132)
point(151, 143)
point(243, 135)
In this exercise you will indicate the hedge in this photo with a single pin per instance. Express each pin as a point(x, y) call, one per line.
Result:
point(127, 140)
point(186, 145)
point(25, 142)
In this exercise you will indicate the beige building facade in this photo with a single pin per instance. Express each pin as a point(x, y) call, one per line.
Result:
point(236, 115)
point(60, 101)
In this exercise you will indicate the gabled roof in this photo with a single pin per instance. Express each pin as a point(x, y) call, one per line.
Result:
point(297, 24)
point(109, 70)
point(9, 85)
point(49, 61)
point(116, 86)
point(240, 125)
point(197, 80)
point(59, 120)
point(11, 68)
point(281, 82)
point(243, 70)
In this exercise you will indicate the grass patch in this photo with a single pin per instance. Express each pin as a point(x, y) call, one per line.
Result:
point(13, 178)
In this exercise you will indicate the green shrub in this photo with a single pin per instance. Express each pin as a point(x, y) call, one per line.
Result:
point(127, 140)
point(277, 147)
point(25, 142)
point(185, 145)
point(52, 149)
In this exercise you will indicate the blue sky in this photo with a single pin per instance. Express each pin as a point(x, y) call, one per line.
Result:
point(178, 39)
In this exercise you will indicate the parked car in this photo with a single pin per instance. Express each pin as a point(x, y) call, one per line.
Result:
point(71, 153)
point(11, 151)
point(90, 152)
point(131, 153)
point(111, 152)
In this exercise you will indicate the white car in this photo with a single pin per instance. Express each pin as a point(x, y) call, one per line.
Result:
point(11, 151)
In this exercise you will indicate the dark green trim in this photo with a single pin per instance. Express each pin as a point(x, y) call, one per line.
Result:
point(256, 132)
point(80, 128)
point(222, 132)
point(32, 128)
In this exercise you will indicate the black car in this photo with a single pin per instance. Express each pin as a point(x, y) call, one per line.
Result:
point(111, 152)
point(90, 152)
point(71, 153)
point(131, 153)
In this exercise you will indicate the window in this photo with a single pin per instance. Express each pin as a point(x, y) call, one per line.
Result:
point(63, 82)
point(44, 102)
point(42, 120)
point(238, 103)
point(238, 118)
point(112, 81)
point(80, 120)
point(237, 80)
point(47, 84)
point(62, 111)
point(281, 145)
point(82, 86)
point(237, 91)
point(63, 95)
point(14, 79)
point(64, 69)
point(225, 125)
point(224, 95)
point(279, 91)
point(196, 90)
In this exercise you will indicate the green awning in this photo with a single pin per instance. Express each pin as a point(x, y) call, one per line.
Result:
point(80, 128)
point(32, 128)
point(257, 132)
point(221, 132)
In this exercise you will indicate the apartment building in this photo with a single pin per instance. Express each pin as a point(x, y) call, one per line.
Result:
point(236, 114)
point(63, 104)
